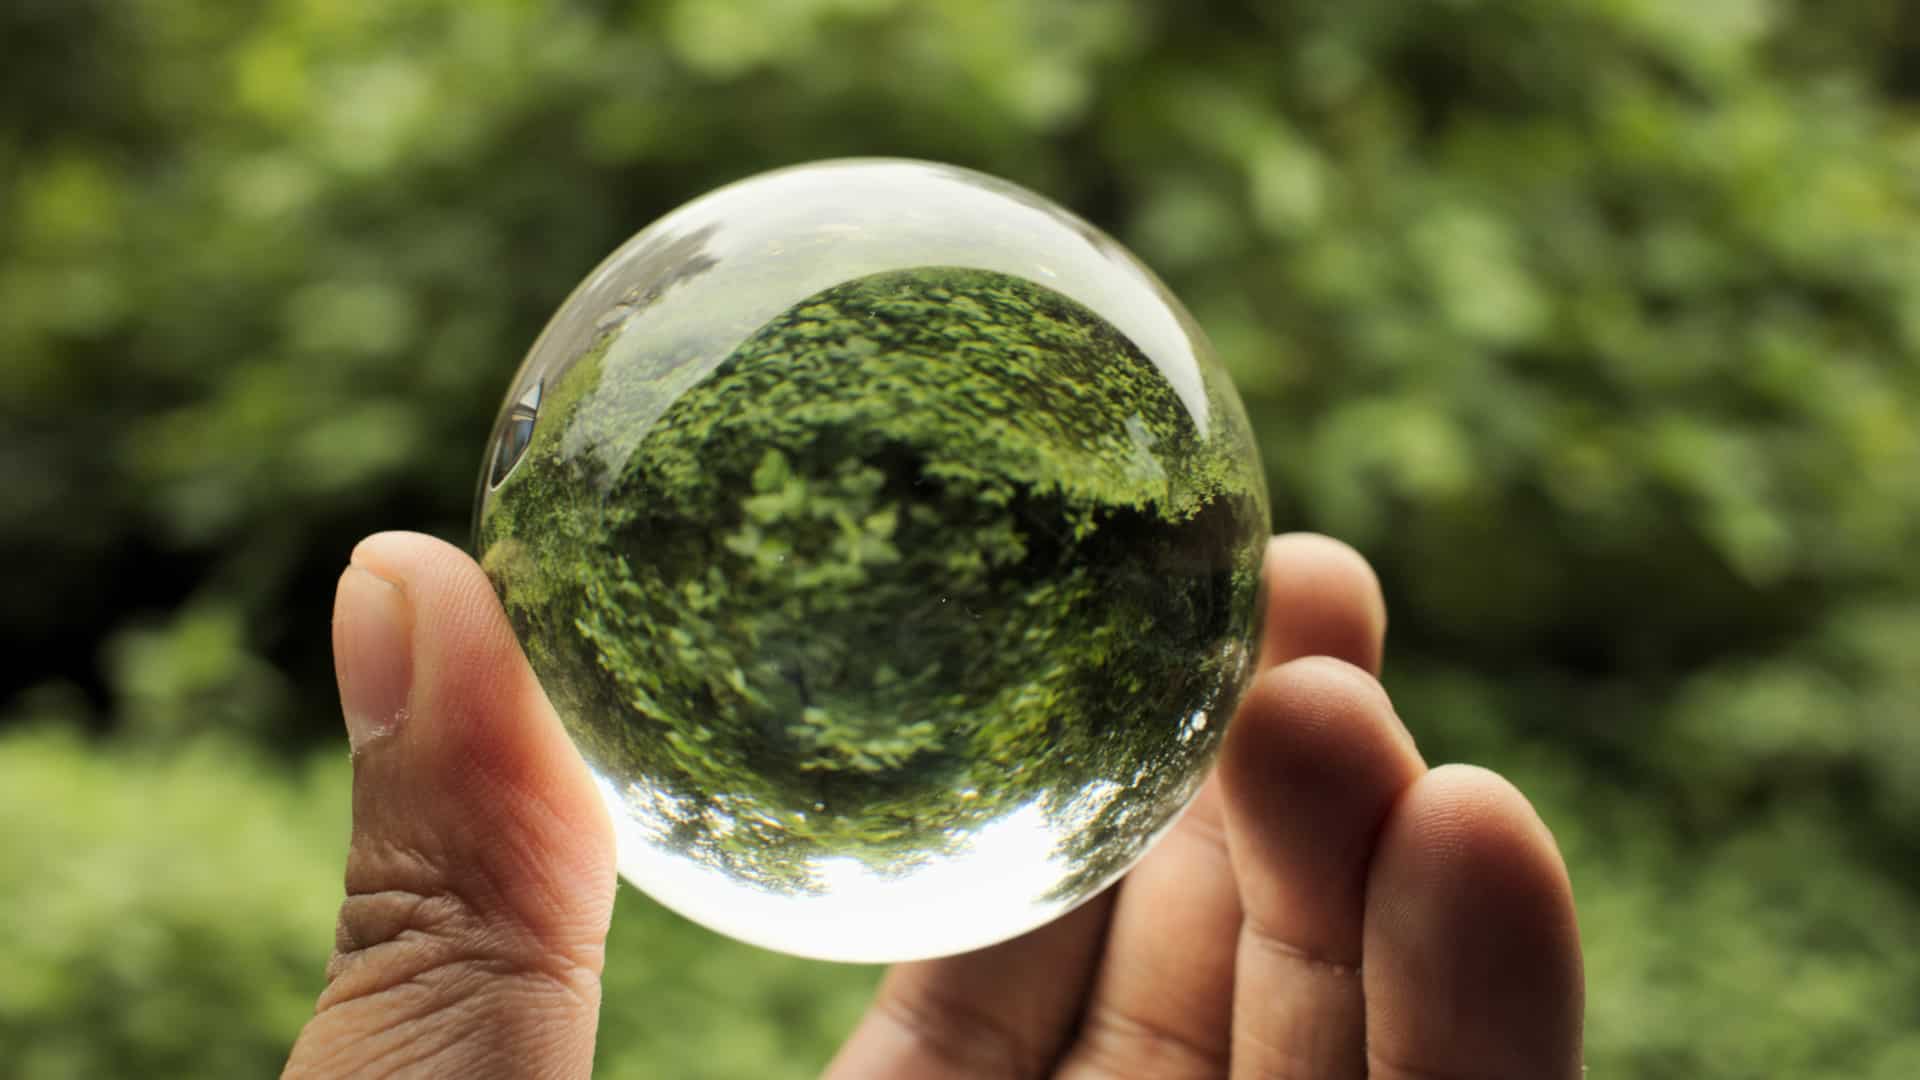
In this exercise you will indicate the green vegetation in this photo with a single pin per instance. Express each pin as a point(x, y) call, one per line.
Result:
point(1594, 323)
point(930, 531)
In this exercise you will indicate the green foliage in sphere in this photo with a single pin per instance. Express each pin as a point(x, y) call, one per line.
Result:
point(930, 545)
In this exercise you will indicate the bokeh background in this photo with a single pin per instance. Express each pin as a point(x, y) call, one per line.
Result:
point(1594, 323)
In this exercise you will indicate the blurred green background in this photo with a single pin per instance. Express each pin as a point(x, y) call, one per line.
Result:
point(1594, 323)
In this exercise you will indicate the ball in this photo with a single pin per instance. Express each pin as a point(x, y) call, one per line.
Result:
point(888, 541)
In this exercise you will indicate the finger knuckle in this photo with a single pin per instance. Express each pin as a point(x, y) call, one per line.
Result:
point(1117, 1043)
point(962, 1035)
point(413, 927)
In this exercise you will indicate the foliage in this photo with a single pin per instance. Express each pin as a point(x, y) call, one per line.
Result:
point(1593, 322)
point(172, 916)
point(928, 531)
point(162, 907)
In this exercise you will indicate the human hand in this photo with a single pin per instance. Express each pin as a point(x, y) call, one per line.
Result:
point(481, 877)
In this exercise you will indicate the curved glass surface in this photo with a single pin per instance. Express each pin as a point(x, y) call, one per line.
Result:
point(888, 540)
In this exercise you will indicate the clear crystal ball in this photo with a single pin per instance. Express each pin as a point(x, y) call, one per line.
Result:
point(888, 540)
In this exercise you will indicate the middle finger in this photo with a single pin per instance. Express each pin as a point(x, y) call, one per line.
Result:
point(1163, 997)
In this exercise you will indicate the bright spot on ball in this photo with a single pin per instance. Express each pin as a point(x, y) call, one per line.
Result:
point(885, 536)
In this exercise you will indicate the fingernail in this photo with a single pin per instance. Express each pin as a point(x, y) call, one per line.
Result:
point(373, 654)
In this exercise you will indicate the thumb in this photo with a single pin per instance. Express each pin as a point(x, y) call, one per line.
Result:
point(480, 880)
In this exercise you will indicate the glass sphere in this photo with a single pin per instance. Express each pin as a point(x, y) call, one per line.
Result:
point(888, 541)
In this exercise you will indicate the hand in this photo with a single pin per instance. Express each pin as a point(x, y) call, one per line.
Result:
point(481, 879)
